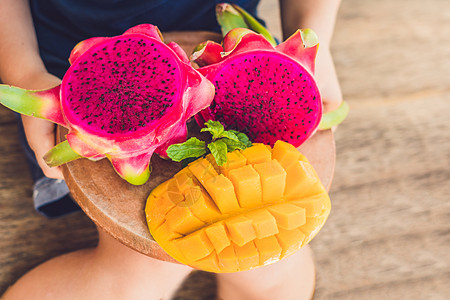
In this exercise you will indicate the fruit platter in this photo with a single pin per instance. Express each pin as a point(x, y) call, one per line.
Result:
point(118, 207)
point(214, 161)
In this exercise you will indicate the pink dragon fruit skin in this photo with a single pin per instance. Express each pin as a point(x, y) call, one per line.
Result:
point(267, 92)
point(123, 98)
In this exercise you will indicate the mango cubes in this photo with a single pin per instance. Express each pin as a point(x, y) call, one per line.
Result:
point(261, 206)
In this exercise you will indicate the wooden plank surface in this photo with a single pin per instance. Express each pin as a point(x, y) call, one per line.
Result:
point(388, 235)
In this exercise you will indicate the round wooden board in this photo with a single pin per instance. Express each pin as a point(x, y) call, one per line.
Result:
point(118, 207)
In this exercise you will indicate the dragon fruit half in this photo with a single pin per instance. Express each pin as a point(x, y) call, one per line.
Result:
point(123, 98)
point(267, 92)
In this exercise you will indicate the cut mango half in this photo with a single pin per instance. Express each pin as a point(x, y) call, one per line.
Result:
point(261, 206)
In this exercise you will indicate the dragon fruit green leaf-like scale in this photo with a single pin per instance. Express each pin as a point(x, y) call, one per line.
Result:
point(123, 98)
point(268, 93)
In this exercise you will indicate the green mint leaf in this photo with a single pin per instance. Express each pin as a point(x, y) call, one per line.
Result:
point(229, 135)
point(242, 138)
point(213, 127)
point(219, 151)
point(233, 145)
point(191, 148)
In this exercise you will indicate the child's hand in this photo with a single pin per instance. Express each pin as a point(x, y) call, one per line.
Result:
point(327, 79)
point(41, 133)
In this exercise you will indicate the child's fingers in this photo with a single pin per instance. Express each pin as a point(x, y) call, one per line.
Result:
point(41, 138)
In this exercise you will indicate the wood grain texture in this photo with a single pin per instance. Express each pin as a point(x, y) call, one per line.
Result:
point(388, 235)
point(6, 116)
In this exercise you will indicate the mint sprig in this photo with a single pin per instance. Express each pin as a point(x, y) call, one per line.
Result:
point(222, 141)
point(218, 131)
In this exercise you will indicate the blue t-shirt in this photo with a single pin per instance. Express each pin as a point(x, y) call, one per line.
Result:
point(61, 24)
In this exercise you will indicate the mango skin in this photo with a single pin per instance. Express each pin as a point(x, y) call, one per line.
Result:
point(239, 216)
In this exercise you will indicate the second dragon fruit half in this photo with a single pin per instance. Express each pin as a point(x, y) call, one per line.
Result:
point(267, 92)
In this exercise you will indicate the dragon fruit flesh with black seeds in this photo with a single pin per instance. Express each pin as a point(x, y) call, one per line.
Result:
point(123, 97)
point(267, 92)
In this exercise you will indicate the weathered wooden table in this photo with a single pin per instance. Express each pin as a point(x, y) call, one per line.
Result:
point(388, 233)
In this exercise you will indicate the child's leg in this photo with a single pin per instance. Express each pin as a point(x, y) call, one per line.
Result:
point(292, 278)
point(110, 271)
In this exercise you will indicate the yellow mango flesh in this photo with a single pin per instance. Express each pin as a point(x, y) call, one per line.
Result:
point(269, 249)
point(235, 160)
point(263, 222)
point(247, 255)
point(260, 207)
point(256, 154)
point(221, 189)
point(241, 229)
point(247, 186)
point(218, 236)
point(273, 179)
